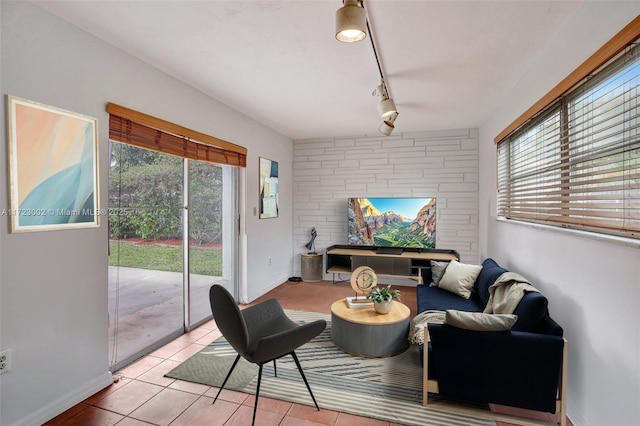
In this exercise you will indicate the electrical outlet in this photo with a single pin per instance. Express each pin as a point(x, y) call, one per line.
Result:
point(269, 261)
point(5, 361)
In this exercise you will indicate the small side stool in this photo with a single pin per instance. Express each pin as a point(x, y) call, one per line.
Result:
point(312, 266)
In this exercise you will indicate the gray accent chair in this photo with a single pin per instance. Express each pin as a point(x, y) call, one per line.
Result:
point(260, 334)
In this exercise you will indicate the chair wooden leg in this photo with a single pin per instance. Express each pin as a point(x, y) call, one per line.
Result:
point(226, 378)
point(255, 406)
point(295, 358)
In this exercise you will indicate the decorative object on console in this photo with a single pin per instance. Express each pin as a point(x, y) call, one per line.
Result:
point(363, 279)
point(383, 298)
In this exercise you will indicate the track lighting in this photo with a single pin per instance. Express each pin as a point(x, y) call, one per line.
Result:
point(351, 22)
point(387, 127)
point(386, 106)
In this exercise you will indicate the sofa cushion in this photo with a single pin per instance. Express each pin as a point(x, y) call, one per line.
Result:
point(425, 274)
point(437, 271)
point(459, 278)
point(437, 299)
point(478, 321)
point(488, 275)
point(531, 311)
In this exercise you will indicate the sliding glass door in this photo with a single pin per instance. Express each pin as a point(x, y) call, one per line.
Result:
point(167, 238)
point(211, 234)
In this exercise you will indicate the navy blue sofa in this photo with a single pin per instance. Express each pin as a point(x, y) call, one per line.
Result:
point(524, 367)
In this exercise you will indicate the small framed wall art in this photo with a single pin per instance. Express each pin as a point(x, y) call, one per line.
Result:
point(268, 171)
point(53, 168)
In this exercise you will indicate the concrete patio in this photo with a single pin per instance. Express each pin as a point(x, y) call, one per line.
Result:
point(146, 306)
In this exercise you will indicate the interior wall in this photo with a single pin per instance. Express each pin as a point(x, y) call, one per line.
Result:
point(439, 163)
point(53, 285)
point(593, 285)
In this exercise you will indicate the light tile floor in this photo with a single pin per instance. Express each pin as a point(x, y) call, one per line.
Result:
point(143, 396)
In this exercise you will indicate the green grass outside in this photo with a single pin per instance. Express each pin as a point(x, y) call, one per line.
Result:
point(164, 258)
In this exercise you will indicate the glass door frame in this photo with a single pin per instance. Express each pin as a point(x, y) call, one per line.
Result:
point(230, 212)
point(231, 199)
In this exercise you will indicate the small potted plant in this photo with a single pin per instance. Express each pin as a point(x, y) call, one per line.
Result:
point(383, 298)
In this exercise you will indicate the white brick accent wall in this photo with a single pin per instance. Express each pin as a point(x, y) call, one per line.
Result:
point(441, 164)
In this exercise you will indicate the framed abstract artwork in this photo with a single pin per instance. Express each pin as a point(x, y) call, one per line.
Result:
point(53, 168)
point(268, 171)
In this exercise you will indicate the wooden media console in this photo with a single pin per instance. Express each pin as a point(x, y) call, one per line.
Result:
point(342, 259)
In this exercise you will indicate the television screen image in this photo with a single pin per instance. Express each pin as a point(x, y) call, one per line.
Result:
point(392, 222)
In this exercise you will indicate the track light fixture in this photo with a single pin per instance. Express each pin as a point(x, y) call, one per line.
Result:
point(386, 106)
point(387, 127)
point(351, 22)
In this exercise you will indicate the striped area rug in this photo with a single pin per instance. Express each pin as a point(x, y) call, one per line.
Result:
point(388, 389)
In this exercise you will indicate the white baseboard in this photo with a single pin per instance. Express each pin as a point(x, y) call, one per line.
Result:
point(264, 290)
point(67, 401)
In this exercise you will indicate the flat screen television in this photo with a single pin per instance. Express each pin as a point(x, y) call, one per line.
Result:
point(392, 222)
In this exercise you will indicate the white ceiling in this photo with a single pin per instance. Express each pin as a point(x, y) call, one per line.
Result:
point(448, 64)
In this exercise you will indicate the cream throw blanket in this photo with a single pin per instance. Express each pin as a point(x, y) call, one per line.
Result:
point(506, 292)
point(419, 323)
point(504, 295)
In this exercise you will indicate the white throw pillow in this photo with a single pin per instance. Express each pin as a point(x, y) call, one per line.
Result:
point(478, 321)
point(459, 278)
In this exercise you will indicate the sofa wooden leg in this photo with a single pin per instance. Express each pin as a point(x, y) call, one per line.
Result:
point(425, 368)
point(562, 391)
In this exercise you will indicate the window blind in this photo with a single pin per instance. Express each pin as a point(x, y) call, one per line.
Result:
point(577, 163)
point(135, 128)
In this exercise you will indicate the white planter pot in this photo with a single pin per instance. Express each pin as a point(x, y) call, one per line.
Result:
point(383, 307)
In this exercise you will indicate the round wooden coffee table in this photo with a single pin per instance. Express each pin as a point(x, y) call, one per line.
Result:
point(363, 332)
